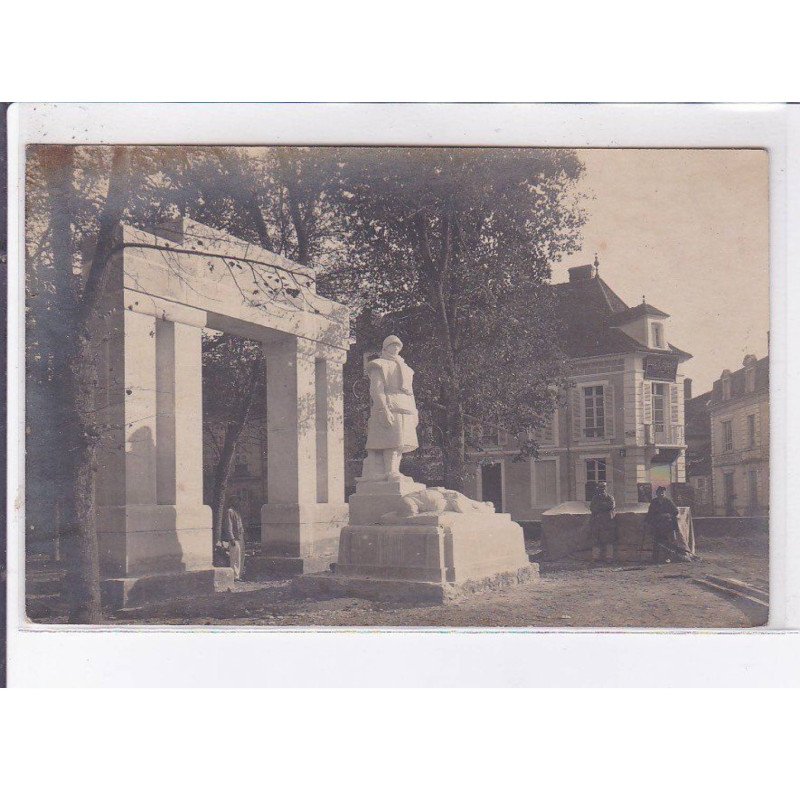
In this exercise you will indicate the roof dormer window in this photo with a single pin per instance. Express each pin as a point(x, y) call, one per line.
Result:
point(726, 385)
point(750, 373)
point(657, 335)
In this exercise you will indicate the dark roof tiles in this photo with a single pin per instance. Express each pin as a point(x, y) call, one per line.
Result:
point(590, 310)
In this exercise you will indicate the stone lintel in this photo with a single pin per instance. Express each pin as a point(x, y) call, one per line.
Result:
point(141, 303)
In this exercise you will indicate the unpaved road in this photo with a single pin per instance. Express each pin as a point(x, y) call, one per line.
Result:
point(608, 596)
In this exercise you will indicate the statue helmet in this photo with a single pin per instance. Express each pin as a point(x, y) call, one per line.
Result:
point(391, 340)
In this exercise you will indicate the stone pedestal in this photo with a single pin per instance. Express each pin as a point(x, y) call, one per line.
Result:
point(443, 548)
point(432, 557)
point(297, 539)
point(374, 498)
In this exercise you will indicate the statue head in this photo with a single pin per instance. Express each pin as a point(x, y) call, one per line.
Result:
point(392, 345)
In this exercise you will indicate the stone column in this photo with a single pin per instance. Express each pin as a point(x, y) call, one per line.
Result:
point(301, 520)
point(330, 431)
point(154, 532)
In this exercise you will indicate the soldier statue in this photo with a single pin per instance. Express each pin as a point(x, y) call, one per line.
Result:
point(392, 427)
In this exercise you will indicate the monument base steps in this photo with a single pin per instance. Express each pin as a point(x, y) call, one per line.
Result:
point(120, 593)
point(263, 567)
point(404, 591)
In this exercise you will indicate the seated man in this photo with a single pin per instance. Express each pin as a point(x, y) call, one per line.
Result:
point(602, 526)
point(662, 517)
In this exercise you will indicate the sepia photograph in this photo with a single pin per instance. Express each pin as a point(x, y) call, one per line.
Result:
point(361, 347)
point(463, 387)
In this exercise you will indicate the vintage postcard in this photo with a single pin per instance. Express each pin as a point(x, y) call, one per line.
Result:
point(397, 386)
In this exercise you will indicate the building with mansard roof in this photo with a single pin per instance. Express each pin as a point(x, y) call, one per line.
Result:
point(621, 422)
point(739, 412)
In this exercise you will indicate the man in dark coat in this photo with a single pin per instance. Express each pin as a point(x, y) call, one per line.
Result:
point(229, 550)
point(662, 517)
point(602, 527)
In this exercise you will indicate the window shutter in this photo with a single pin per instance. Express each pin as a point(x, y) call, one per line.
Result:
point(577, 414)
point(609, 410)
point(673, 403)
point(647, 402)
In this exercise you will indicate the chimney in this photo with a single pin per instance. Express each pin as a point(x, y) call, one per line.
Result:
point(580, 273)
point(687, 389)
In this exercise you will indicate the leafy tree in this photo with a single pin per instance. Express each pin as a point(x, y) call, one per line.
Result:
point(451, 249)
point(67, 344)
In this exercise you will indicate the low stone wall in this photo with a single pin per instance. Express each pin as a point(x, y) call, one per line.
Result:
point(565, 533)
point(731, 526)
point(531, 529)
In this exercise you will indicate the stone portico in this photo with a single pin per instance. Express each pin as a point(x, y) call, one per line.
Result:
point(165, 288)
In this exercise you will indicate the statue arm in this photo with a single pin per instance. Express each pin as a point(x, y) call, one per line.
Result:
point(377, 392)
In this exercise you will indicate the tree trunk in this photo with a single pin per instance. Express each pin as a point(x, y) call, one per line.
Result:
point(454, 450)
point(454, 445)
point(78, 510)
point(233, 433)
point(75, 375)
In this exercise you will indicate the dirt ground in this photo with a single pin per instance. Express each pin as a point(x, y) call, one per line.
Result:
point(659, 596)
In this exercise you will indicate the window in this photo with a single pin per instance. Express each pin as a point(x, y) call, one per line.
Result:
point(657, 334)
point(595, 472)
point(659, 406)
point(751, 430)
point(753, 479)
point(595, 469)
point(727, 436)
point(750, 379)
point(726, 388)
point(594, 412)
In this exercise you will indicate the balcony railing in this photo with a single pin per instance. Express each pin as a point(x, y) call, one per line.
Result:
point(664, 435)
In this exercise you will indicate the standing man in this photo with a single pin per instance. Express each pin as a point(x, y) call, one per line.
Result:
point(602, 527)
point(662, 517)
point(232, 538)
point(392, 426)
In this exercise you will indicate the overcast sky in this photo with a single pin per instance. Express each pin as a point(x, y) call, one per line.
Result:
point(688, 229)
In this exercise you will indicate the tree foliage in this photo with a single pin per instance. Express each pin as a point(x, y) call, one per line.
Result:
point(451, 248)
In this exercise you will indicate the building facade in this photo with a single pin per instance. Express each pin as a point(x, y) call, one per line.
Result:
point(698, 450)
point(621, 421)
point(739, 413)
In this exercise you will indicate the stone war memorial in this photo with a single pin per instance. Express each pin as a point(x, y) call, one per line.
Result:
point(166, 287)
point(407, 541)
point(155, 534)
